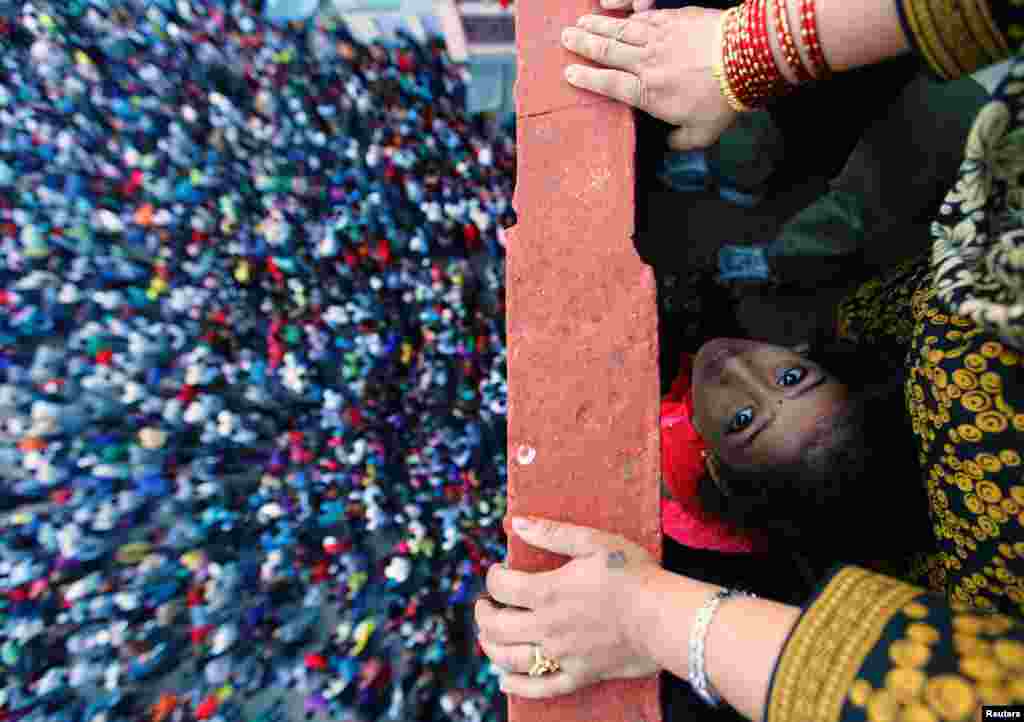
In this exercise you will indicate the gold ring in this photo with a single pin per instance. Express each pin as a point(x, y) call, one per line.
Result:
point(541, 664)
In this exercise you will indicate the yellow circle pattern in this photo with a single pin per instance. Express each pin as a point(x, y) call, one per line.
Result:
point(907, 653)
point(917, 712)
point(965, 379)
point(1010, 653)
point(967, 411)
point(991, 382)
point(991, 422)
point(976, 401)
point(989, 463)
point(950, 696)
point(986, 671)
point(969, 404)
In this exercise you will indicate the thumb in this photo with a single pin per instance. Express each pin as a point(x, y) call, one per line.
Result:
point(566, 539)
point(685, 138)
point(689, 137)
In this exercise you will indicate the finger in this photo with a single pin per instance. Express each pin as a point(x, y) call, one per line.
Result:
point(571, 540)
point(512, 658)
point(503, 625)
point(513, 588)
point(484, 595)
point(610, 83)
point(640, 6)
point(688, 137)
point(603, 50)
point(657, 18)
point(554, 684)
point(622, 30)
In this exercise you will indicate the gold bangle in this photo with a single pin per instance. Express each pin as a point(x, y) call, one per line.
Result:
point(717, 66)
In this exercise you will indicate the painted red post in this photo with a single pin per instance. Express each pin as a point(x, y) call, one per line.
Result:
point(583, 438)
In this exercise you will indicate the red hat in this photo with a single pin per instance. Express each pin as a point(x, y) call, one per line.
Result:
point(682, 465)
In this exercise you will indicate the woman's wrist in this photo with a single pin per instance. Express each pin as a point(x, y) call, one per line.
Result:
point(753, 57)
point(663, 618)
point(766, 48)
point(857, 34)
point(751, 629)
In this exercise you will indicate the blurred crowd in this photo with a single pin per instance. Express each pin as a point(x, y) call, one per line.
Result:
point(252, 367)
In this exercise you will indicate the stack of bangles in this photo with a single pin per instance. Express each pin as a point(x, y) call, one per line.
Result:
point(745, 65)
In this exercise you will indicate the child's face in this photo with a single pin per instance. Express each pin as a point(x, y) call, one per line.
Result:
point(756, 404)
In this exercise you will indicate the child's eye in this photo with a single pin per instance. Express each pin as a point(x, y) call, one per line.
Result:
point(793, 376)
point(742, 419)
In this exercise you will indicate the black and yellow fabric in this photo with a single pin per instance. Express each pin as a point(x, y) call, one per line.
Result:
point(965, 395)
point(878, 313)
point(936, 636)
point(956, 38)
point(870, 647)
point(978, 239)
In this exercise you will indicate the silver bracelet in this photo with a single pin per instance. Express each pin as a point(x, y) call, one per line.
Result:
point(698, 678)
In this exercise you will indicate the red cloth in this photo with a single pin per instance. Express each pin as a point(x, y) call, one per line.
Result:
point(682, 466)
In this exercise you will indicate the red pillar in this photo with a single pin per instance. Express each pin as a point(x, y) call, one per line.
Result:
point(583, 439)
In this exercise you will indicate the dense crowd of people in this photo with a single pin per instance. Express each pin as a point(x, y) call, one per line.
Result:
point(252, 366)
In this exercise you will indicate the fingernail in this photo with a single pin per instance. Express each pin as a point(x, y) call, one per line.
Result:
point(570, 75)
point(520, 524)
point(610, 4)
point(583, 21)
point(567, 36)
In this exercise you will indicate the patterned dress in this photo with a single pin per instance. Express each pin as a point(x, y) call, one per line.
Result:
point(964, 397)
point(939, 639)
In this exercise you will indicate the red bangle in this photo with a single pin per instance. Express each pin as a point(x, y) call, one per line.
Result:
point(769, 68)
point(809, 31)
point(789, 49)
point(750, 65)
point(718, 64)
point(742, 70)
point(731, 50)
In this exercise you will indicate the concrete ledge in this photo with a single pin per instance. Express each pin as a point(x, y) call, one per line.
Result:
point(583, 435)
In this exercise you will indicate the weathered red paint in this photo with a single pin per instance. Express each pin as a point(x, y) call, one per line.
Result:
point(583, 438)
point(541, 59)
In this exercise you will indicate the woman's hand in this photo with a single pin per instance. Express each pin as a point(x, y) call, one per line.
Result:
point(585, 615)
point(659, 62)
